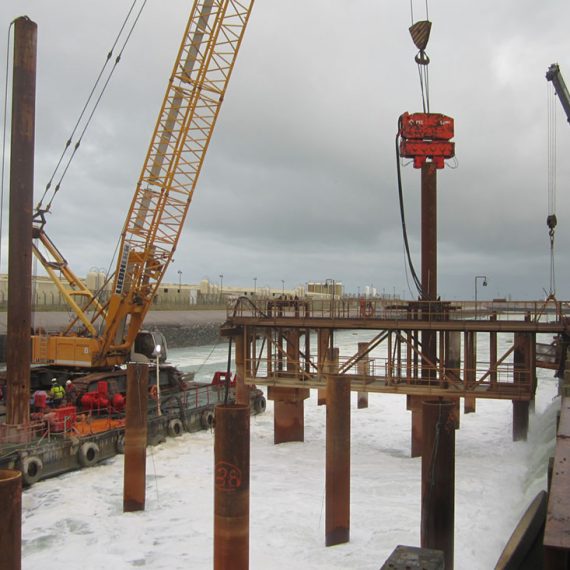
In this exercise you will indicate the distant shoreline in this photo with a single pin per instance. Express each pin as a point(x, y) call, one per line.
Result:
point(53, 321)
point(181, 328)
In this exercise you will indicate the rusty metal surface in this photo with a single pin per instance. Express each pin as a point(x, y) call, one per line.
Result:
point(18, 354)
point(390, 314)
point(406, 367)
point(134, 488)
point(413, 558)
point(557, 531)
point(337, 475)
point(438, 478)
point(415, 404)
point(429, 258)
point(231, 487)
point(11, 519)
point(288, 413)
point(242, 390)
point(363, 368)
point(324, 339)
point(398, 372)
point(403, 324)
point(420, 32)
point(522, 359)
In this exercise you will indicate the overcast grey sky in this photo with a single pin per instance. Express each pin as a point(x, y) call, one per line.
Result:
point(299, 182)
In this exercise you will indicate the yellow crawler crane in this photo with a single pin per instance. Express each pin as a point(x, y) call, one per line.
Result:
point(101, 335)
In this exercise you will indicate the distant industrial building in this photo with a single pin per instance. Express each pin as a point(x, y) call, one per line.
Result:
point(47, 296)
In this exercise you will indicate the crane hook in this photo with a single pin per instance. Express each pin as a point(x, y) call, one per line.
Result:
point(420, 32)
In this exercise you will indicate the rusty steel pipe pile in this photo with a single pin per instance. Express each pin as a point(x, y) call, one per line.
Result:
point(231, 487)
point(134, 485)
point(10, 519)
point(438, 477)
point(337, 476)
point(18, 351)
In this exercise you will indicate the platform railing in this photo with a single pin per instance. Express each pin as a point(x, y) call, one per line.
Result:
point(391, 372)
point(547, 311)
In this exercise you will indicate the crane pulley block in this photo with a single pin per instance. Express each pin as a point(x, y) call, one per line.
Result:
point(426, 136)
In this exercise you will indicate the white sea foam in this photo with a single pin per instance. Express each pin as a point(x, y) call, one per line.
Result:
point(76, 520)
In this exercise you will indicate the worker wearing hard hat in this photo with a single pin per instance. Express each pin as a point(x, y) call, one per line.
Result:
point(56, 394)
point(70, 392)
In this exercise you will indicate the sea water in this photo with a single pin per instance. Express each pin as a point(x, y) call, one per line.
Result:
point(77, 519)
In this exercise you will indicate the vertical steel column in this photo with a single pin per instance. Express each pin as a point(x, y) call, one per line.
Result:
point(134, 482)
point(470, 375)
point(532, 365)
point(288, 413)
point(416, 359)
point(18, 352)
point(250, 350)
point(363, 368)
point(409, 351)
point(438, 478)
point(279, 350)
point(289, 403)
point(414, 404)
point(493, 353)
point(453, 354)
point(389, 361)
point(429, 260)
point(10, 519)
point(323, 343)
point(453, 363)
point(293, 352)
point(399, 355)
point(307, 350)
point(521, 366)
point(269, 351)
point(429, 293)
point(242, 390)
point(337, 483)
point(231, 487)
point(429, 232)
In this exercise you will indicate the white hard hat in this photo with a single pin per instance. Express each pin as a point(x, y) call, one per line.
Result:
point(68, 383)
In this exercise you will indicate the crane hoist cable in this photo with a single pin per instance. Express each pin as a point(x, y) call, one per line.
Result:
point(420, 32)
point(412, 10)
point(551, 220)
point(93, 99)
point(416, 279)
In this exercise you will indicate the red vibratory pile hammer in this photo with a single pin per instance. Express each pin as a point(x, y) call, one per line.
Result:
point(426, 135)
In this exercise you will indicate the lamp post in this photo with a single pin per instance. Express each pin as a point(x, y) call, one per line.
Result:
point(254, 285)
point(179, 280)
point(157, 351)
point(484, 277)
point(283, 286)
point(221, 286)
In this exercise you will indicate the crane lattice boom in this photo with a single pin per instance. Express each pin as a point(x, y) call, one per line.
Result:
point(169, 175)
